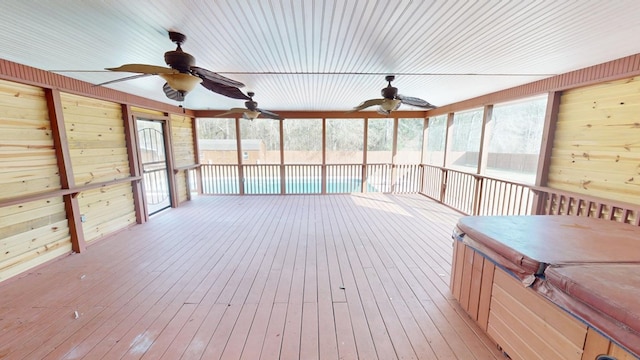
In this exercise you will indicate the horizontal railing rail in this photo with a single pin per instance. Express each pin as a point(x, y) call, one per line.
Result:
point(469, 193)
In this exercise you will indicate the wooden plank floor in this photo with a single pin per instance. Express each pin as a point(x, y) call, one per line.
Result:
point(361, 276)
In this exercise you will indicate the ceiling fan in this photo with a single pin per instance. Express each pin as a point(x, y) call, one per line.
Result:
point(391, 100)
point(182, 75)
point(251, 110)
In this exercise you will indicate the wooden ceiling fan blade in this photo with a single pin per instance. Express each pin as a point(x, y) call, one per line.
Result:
point(173, 94)
point(144, 68)
point(414, 101)
point(228, 91)
point(215, 77)
point(269, 114)
point(366, 104)
point(124, 79)
point(232, 111)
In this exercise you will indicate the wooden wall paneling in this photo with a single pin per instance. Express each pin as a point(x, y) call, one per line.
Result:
point(99, 150)
point(98, 126)
point(32, 233)
point(67, 180)
point(184, 152)
point(28, 160)
point(528, 326)
point(595, 151)
point(135, 167)
point(108, 209)
point(150, 113)
point(182, 186)
point(33, 218)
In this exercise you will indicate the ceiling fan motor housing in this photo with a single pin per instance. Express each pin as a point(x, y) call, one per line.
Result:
point(251, 105)
point(179, 60)
point(389, 92)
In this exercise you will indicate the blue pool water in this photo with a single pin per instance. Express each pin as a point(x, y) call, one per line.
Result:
point(272, 186)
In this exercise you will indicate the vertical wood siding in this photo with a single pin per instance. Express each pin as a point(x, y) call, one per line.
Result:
point(183, 150)
point(596, 149)
point(33, 232)
point(96, 140)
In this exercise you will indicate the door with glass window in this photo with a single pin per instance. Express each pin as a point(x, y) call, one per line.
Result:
point(151, 140)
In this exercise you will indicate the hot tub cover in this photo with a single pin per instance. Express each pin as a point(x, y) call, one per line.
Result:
point(611, 293)
point(533, 242)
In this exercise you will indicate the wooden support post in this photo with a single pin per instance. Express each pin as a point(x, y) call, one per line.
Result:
point(483, 156)
point(447, 144)
point(546, 148)
point(364, 155)
point(477, 194)
point(447, 139)
point(394, 154)
point(239, 155)
point(485, 135)
point(283, 180)
point(425, 140)
point(323, 169)
point(135, 167)
point(67, 181)
point(168, 146)
point(196, 156)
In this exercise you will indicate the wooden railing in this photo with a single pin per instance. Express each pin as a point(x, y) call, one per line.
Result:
point(469, 193)
point(558, 202)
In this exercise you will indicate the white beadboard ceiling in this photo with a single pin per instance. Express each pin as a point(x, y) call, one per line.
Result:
point(323, 54)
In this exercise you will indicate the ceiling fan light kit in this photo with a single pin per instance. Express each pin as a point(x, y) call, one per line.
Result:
point(181, 82)
point(389, 104)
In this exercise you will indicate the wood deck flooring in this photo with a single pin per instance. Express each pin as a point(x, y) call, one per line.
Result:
point(361, 276)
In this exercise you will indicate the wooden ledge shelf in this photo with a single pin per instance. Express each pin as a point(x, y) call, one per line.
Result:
point(63, 192)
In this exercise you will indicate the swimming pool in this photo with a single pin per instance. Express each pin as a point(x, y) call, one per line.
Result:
point(230, 185)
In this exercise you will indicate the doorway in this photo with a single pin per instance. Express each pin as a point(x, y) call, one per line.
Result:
point(151, 138)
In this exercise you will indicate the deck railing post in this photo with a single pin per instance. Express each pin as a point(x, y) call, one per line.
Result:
point(477, 194)
point(443, 184)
